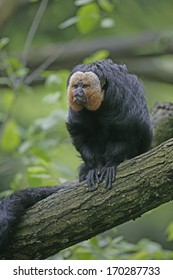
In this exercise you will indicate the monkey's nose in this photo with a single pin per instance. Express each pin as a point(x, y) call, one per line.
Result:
point(80, 98)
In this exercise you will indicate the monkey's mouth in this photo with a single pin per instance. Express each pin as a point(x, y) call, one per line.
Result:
point(80, 100)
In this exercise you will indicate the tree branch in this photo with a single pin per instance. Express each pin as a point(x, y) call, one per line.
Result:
point(33, 29)
point(141, 53)
point(74, 214)
point(162, 120)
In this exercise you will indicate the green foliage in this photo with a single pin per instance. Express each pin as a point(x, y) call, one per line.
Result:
point(106, 5)
point(3, 42)
point(37, 144)
point(69, 22)
point(170, 231)
point(105, 247)
point(14, 68)
point(10, 139)
point(90, 16)
point(82, 2)
point(102, 54)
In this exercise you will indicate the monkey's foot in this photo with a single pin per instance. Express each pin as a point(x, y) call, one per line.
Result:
point(93, 178)
point(82, 178)
point(109, 174)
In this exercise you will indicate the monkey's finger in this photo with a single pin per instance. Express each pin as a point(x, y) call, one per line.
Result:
point(110, 177)
point(99, 171)
point(103, 174)
point(91, 182)
point(97, 174)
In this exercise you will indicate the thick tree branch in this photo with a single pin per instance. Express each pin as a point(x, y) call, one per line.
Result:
point(162, 120)
point(74, 214)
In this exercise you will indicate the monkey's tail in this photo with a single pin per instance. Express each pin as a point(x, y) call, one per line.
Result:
point(15, 205)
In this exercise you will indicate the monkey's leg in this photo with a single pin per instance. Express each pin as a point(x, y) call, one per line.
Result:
point(90, 170)
point(83, 172)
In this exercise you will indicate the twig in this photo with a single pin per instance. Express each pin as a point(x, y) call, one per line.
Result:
point(29, 79)
point(57, 54)
point(33, 30)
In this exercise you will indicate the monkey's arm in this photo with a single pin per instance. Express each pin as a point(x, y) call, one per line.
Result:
point(15, 205)
point(94, 169)
point(91, 168)
point(114, 155)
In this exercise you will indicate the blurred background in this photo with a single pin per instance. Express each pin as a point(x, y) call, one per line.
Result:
point(40, 42)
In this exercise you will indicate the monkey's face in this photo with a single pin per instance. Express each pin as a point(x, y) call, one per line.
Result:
point(84, 91)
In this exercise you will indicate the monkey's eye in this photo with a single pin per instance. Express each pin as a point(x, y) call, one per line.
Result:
point(75, 86)
point(85, 85)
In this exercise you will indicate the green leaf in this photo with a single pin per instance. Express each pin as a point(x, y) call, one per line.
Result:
point(82, 2)
point(88, 18)
point(3, 42)
point(37, 175)
point(13, 62)
point(14, 67)
point(107, 23)
point(169, 231)
point(102, 54)
point(10, 137)
point(17, 180)
point(34, 182)
point(21, 72)
point(33, 170)
point(69, 22)
point(106, 5)
point(8, 100)
point(42, 154)
point(53, 82)
point(52, 98)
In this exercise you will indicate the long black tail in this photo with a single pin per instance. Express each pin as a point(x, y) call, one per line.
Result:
point(15, 205)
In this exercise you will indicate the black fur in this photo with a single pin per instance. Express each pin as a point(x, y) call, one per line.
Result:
point(120, 129)
point(14, 206)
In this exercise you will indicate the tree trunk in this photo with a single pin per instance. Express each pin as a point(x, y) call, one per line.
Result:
point(162, 120)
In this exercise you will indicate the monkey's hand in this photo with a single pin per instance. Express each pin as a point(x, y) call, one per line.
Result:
point(93, 178)
point(96, 175)
point(109, 174)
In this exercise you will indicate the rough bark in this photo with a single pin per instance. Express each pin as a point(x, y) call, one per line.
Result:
point(162, 120)
point(74, 214)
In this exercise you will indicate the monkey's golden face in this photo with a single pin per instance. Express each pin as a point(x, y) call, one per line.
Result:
point(84, 91)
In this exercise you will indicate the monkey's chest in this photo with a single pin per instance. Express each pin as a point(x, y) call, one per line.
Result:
point(97, 135)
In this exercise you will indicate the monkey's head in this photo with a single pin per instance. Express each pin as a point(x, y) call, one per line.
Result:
point(85, 90)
